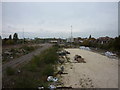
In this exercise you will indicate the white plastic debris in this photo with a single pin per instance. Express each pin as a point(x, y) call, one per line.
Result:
point(85, 48)
point(11, 57)
point(109, 54)
point(82, 47)
point(50, 78)
point(18, 71)
point(55, 79)
point(52, 87)
point(40, 88)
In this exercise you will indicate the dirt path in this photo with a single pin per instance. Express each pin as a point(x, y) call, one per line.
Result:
point(98, 72)
point(25, 58)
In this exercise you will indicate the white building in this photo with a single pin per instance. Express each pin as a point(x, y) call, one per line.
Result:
point(70, 39)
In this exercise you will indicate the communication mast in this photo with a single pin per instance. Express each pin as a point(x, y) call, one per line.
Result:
point(23, 35)
point(71, 35)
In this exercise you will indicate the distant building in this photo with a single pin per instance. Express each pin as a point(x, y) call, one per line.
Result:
point(104, 40)
point(53, 41)
point(57, 41)
point(78, 40)
point(70, 40)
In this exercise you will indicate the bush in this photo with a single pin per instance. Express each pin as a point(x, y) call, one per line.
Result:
point(10, 71)
point(48, 70)
point(34, 74)
point(9, 42)
point(25, 82)
point(50, 57)
point(28, 48)
point(31, 67)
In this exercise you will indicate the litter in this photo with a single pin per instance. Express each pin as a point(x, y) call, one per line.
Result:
point(52, 87)
point(79, 59)
point(67, 52)
point(50, 78)
point(60, 70)
point(63, 53)
point(18, 71)
point(11, 57)
point(61, 60)
point(7, 52)
point(109, 54)
point(85, 48)
point(55, 79)
point(40, 88)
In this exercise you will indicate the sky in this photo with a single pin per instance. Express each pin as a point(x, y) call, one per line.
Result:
point(54, 19)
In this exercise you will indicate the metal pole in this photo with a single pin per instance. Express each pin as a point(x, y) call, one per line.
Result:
point(23, 35)
point(71, 35)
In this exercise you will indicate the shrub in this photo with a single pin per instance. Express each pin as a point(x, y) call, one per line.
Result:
point(50, 56)
point(31, 67)
point(28, 48)
point(25, 82)
point(48, 70)
point(10, 71)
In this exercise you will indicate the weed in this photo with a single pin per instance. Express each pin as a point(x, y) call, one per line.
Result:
point(10, 71)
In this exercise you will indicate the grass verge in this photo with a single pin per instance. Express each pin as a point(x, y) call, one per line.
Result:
point(35, 73)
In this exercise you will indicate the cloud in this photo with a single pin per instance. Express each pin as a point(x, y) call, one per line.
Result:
point(55, 19)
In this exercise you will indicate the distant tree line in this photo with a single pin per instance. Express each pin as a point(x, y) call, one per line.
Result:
point(112, 45)
point(10, 40)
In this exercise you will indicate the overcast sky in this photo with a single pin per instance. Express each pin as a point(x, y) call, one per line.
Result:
point(52, 19)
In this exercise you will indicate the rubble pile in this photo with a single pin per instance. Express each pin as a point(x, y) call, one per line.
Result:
point(12, 53)
point(63, 53)
point(79, 59)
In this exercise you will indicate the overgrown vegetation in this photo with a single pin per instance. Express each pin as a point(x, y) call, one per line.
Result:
point(113, 45)
point(17, 52)
point(10, 71)
point(35, 73)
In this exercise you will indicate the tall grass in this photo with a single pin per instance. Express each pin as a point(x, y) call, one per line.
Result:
point(10, 71)
point(35, 73)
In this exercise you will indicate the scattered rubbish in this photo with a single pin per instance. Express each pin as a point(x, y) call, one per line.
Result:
point(13, 83)
point(77, 56)
point(50, 78)
point(11, 57)
point(7, 52)
point(52, 87)
point(40, 88)
point(110, 54)
point(63, 53)
point(55, 79)
point(79, 59)
point(60, 70)
point(85, 48)
point(64, 87)
point(18, 71)
point(61, 60)
point(67, 52)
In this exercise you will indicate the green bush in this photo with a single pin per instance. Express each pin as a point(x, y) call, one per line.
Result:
point(10, 71)
point(34, 74)
point(48, 70)
point(31, 67)
point(28, 48)
point(25, 82)
point(50, 56)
